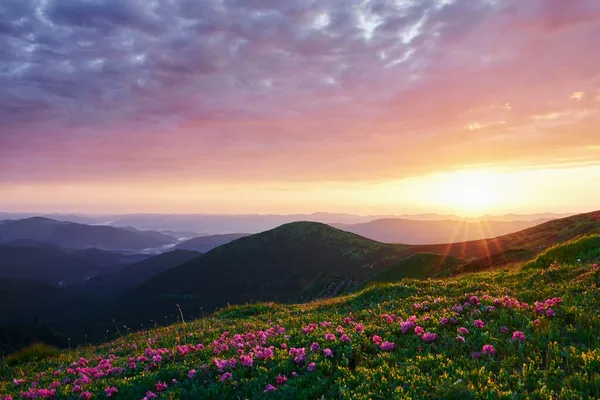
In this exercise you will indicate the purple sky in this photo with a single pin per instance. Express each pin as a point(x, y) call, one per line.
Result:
point(119, 93)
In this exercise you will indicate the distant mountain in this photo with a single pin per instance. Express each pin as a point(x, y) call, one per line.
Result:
point(516, 246)
point(293, 262)
point(133, 275)
point(397, 230)
point(56, 266)
point(79, 236)
point(207, 243)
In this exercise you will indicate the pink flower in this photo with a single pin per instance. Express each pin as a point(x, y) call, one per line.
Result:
point(359, 328)
point(191, 373)
point(330, 337)
point(345, 338)
point(18, 382)
point(479, 323)
point(86, 395)
point(488, 349)
point(406, 326)
point(518, 335)
point(347, 321)
point(160, 386)
point(247, 360)
point(474, 300)
point(419, 330)
point(463, 331)
point(311, 367)
point(225, 376)
point(280, 379)
point(443, 321)
point(536, 322)
point(429, 337)
point(460, 338)
point(315, 347)
point(476, 354)
point(328, 353)
point(550, 313)
point(270, 388)
point(377, 339)
point(150, 395)
point(388, 346)
point(109, 391)
point(503, 329)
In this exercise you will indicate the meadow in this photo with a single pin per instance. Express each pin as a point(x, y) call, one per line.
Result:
point(526, 332)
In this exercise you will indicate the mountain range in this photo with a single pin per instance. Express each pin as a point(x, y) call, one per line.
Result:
point(295, 262)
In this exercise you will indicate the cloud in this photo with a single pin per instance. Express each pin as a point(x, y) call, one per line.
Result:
point(295, 89)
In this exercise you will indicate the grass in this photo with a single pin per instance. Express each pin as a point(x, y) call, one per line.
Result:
point(559, 357)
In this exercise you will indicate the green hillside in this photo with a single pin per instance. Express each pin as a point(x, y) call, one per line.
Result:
point(294, 262)
point(514, 334)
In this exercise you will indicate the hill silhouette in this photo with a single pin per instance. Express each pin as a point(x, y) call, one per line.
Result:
point(407, 231)
point(206, 243)
point(80, 236)
point(279, 264)
point(132, 275)
point(55, 266)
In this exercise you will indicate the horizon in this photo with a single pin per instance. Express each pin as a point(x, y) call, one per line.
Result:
point(295, 107)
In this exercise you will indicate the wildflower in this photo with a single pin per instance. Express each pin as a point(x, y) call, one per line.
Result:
point(419, 330)
point(479, 323)
point(406, 326)
point(345, 338)
point(443, 321)
point(328, 353)
point(453, 321)
point(280, 379)
point(474, 300)
point(109, 391)
point(550, 313)
point(476, 354)
point(225, 376)
point(160, 386)
point(359, 328)
point(311, 367)
point(85, 395)
point(191, 373)
point(463, 331)
point(347, 321)
point(284, 346)
point(388, 346)
point(491, 308)
point(247, 360)
point(18, 382)
point(488, 349)
point(460, 338)
point(377, 339)
point(536, 322)
point(330, 337)
point(429, 337)
point(518, 335)
point(270, 388)
point(150, 395)
point(503, 329)
point(294, 374)
point(426, 319)
point(315, 347)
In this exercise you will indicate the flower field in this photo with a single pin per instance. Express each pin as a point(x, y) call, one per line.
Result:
point(509, 334)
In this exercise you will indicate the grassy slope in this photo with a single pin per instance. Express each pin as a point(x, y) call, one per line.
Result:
point(560, 357)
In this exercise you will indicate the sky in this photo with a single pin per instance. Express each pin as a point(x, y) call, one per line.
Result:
point(285, 106)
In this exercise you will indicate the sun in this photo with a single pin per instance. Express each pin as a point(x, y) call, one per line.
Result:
point(471, 192)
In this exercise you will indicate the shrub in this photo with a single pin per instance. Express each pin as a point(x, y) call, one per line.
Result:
point(32, 352)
